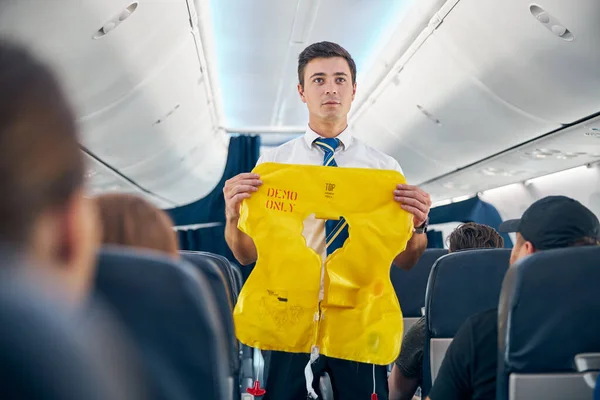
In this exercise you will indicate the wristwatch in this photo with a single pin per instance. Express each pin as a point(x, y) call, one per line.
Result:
point(422, 228)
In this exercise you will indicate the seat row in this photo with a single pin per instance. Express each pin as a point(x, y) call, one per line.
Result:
point(548, 315)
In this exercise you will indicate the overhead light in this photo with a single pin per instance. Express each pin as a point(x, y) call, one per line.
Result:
point(446, 202)
point(538, 154)
point(541, 153)
point(441, 203)
point(461, 198)
point(500, 188)
point(568, 155)
point(593, 132)
point(555, 175)
point(452, 185)
point(551, 23)
point(115, 21)
point(490, 171)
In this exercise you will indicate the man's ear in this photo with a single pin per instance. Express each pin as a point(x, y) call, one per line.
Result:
point(353, 90)
point(529, 249)
point(301, 93)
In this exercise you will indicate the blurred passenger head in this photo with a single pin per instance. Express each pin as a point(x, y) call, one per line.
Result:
point(474, 236)
point(551, 223)
point(129, 220)
point(43, 211)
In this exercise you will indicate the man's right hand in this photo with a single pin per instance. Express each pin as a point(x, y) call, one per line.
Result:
point(238, 188)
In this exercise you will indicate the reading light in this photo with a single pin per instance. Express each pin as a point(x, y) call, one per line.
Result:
point(593, 132)
point(111, 24)
point(551, 23)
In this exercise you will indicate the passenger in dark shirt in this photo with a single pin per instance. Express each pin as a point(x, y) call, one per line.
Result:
point(406, 374)
point(469, 367)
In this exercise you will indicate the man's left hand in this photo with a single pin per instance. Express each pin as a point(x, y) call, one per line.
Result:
point(414, 200)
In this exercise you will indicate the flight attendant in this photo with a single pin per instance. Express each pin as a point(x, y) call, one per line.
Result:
point(327, 85)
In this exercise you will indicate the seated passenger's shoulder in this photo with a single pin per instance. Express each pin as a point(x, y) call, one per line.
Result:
point(484, 324)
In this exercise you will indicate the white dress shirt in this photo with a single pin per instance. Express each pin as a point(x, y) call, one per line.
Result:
point(352, 153)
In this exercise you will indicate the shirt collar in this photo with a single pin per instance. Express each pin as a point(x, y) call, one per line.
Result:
point(345, 137)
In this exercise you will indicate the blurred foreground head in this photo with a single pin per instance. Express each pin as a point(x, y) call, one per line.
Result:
point(43, 211)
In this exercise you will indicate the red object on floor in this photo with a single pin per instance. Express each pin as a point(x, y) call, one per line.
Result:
point(256, 389)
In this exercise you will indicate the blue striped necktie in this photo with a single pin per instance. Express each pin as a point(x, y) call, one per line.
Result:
point(336, 232)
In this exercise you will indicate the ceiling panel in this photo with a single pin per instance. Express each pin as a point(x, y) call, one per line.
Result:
point(187, 171)
point(154, 117)
point(97, 72)
point(575, 146)
point(167, 121)
point(414, 163)
point(519, 58)
point(101, 179)
point(436, 108)
point(141, 96)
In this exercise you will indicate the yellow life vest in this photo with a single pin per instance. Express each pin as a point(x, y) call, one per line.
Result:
point(359, 318)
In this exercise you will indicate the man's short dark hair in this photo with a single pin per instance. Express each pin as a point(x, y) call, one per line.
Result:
point(474, 236)
point(41, 165)
point(324, 50)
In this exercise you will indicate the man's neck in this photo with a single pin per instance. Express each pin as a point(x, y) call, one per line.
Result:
point(328, 129)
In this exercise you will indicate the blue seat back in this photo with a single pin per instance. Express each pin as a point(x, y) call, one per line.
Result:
point(170, 312)
point(225, 267)
point(461, 284)
point(410, 286)
point(221, 276)
point(219, 279)
point(548, 313)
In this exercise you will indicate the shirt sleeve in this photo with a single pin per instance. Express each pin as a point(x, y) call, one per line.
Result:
point(397, 167)
point(453, 379)
point(266, 156)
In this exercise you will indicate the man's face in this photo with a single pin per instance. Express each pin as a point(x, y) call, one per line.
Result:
point(328, 90)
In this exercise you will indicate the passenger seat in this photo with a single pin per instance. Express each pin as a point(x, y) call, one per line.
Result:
point(222, 281)
point(548, 318)
point(171, 313)
point(249, 362)
point(461, 284)
point(410, 286)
